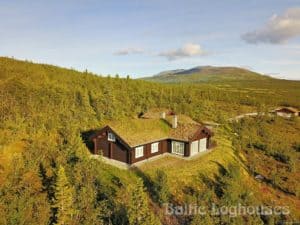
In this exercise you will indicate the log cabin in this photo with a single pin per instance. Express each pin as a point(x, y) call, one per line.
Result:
point(287, 112)
point(146, 137)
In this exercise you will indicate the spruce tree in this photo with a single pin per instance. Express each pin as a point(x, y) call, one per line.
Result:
point(138, 210)
point(161, 189)
point(63, 203)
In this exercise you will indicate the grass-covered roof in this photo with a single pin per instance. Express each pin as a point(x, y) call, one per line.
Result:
point(151, 127)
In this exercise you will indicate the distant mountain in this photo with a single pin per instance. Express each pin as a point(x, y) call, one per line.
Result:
point(206, 74)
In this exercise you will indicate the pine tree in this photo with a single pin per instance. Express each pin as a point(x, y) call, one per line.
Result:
point(138, 211)
point(63, 203)
point(161, 188)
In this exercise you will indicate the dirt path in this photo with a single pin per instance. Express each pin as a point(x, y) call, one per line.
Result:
point(236, 118)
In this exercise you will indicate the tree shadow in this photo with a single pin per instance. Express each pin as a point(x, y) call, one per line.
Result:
point(221, 169)
point(216, 183)
point(149, 184)
point(87, 138)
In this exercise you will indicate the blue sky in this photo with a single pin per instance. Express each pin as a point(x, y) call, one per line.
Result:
point(142, 38)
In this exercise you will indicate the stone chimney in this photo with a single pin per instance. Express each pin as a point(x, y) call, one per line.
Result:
point(174, 121)
point(163, 115)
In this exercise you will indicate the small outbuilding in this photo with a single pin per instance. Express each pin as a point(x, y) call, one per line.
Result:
point(286, 112)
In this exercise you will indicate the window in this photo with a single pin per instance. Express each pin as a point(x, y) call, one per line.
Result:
point(178, 147)
point(139, 152)
point(111, 137)
point(154, 147)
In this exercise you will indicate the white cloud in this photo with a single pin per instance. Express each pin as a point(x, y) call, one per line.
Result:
point(278, 29)
point(188, 50)
point(128, 51)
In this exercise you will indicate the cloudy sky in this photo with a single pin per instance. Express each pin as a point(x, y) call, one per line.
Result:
point(140, 37)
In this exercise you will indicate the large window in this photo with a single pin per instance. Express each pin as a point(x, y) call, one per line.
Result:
point(139, 151)
point(178, 147)
point(154, 147)
point(111, 136)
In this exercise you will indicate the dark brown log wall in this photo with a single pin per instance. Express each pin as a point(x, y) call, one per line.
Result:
point(119, 152)
point(114, 150)
point(162, 148)
point(102, 147)
point(187, 149)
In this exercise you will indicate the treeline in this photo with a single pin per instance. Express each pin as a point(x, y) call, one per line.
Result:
point(32, 90)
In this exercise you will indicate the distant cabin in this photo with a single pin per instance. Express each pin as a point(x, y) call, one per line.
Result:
point(287, 112)
point(143, 138)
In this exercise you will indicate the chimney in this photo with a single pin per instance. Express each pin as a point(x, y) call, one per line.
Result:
point(163, 115)
point(174, 121)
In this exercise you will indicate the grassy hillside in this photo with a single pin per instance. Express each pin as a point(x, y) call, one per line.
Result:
point(269, 147)
point(207, 74)
point(44, 110)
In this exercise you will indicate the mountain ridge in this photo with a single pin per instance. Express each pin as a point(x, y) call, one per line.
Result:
point(206, 74)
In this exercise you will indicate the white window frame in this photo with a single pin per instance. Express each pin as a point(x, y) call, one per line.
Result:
point(139, 152)
point(111, 137)
point(154, 147)
point(178, 147)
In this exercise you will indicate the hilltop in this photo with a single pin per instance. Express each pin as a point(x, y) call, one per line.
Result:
point(207, 74)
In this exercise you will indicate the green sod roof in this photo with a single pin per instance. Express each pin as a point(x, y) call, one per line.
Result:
point(139, 131)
